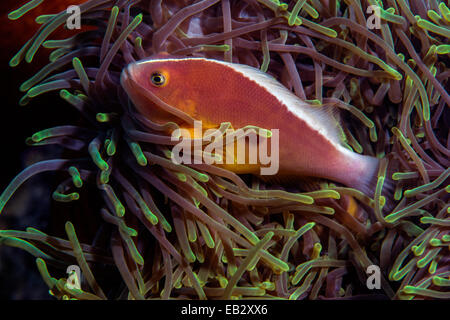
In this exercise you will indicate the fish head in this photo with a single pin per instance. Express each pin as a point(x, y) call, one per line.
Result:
point(177, 83)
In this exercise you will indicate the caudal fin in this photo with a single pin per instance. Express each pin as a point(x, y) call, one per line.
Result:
point(367, 183)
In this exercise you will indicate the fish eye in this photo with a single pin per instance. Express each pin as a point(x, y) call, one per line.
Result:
point(158, 79)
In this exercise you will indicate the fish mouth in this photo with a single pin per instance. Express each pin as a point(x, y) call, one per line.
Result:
point(127, 77)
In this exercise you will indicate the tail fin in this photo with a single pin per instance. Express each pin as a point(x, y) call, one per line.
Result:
point(375, 168)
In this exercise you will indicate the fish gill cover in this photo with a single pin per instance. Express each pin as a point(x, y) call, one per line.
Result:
point(196, 231)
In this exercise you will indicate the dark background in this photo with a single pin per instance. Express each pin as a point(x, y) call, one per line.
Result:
point(31, 205)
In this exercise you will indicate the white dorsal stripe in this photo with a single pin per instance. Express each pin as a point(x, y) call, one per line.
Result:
point(316, 118)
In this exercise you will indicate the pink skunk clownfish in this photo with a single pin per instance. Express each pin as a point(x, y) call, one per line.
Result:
point(215, 91)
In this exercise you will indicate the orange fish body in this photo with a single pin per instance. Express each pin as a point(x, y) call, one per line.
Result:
point(215, 92)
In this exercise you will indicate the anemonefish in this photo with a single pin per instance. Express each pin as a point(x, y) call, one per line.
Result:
point(215, 91)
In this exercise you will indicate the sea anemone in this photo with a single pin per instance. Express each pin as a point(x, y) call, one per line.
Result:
point(179, 231)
